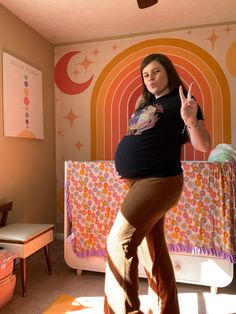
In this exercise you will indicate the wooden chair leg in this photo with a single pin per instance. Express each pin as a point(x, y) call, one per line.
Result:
point(23, 275)
point(48, 260)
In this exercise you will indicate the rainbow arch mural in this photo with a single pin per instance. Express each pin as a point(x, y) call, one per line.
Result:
point(118, 89)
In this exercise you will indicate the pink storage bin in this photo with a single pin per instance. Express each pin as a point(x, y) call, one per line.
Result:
point(7, 287)
point(7, 278)
point(6, 263)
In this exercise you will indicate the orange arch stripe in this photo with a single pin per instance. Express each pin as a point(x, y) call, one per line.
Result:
point(118, 88)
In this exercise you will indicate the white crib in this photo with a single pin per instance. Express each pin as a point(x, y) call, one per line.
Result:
point(196, 267)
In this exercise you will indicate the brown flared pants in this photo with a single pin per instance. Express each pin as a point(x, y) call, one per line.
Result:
point(138, 230)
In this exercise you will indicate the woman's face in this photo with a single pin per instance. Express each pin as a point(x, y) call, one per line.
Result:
point(156, 79)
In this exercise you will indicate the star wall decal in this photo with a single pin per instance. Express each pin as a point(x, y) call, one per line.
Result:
point(86, 63)
point(228, 29)
point(76, 72)
point(114, 46)
point(79, 145)
point(59, 132)
point(96, 52)
point(71, 117)
point(213, 38)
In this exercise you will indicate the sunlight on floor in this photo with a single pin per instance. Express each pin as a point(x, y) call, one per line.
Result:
point(208, 304)
point(94, 305)
point(220, 303)
point(188, 301)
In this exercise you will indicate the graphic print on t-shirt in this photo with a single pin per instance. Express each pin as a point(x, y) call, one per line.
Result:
point(144, 119)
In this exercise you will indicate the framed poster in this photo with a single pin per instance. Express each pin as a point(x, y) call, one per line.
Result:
point(22, 99)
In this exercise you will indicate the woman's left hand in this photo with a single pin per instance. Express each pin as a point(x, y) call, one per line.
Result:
point(189, 107)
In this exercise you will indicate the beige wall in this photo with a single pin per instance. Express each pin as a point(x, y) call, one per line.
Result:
point(27, 166)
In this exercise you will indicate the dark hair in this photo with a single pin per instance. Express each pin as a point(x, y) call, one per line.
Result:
point(174, 80)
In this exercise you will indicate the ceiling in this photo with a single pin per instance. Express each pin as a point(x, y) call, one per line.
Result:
point(71, 21)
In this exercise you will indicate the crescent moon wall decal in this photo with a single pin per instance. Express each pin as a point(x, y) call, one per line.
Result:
point(62, 79)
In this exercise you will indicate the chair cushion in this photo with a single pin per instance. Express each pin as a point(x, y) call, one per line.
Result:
point(23, 232)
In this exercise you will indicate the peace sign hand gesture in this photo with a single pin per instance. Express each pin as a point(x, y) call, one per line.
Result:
point(189, 107)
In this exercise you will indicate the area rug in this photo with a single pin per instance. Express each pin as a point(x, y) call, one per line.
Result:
point(70, 305)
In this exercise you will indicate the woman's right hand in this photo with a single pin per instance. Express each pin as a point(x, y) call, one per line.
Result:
point(189, 107)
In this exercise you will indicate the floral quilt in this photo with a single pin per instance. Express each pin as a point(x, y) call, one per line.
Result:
point(203, 222)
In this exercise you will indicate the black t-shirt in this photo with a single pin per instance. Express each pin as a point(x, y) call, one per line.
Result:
point(152, 146)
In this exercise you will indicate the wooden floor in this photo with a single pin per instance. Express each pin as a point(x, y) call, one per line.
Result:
point(42, 288)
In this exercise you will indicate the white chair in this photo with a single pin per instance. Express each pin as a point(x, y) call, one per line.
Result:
point(24, 239)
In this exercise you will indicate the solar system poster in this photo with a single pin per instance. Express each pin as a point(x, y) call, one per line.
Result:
point(22, 99)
